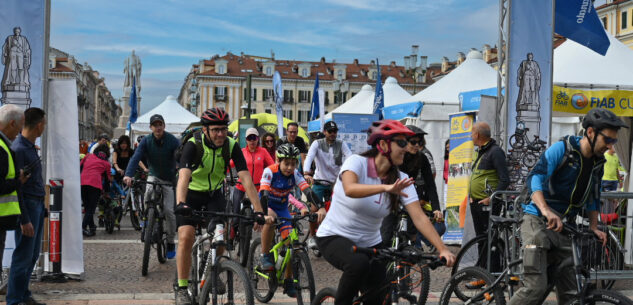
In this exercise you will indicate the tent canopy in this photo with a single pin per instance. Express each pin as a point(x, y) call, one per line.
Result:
point(575, 65)
point(177, 118)
point(267, 122)
point(473, 74)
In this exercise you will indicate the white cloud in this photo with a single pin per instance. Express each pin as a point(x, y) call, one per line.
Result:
point(148, 49)
point(168, 70)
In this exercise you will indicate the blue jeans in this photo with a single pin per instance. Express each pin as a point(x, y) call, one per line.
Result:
point(322, 190)
point(26, 253)
point(440, 227)
point(610, 185)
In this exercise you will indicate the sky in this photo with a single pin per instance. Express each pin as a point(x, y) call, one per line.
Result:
point(170, 36)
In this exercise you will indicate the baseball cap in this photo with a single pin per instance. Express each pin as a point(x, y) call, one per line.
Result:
point(330, 126)
point(104, 136)
point(251, 131)
point(156, 117)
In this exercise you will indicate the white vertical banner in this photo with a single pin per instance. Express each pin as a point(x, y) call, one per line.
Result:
point(321, 108)
point(63, 163)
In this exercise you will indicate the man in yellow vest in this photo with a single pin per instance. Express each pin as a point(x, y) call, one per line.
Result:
point(11, 122)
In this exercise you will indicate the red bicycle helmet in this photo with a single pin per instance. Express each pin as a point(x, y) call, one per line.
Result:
point(386, 129)
point(215, 116)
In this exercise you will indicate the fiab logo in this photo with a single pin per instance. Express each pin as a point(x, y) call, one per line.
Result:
point(579, 101)
point(466, 124)
point(455, 125)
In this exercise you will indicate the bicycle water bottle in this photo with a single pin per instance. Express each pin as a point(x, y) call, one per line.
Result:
point(218, 234)
point(280, 259)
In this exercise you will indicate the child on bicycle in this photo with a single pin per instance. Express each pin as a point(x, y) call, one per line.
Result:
point(277, 182)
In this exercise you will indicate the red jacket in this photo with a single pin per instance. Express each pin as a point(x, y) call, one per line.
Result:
point(256, 162)
point(94, 169)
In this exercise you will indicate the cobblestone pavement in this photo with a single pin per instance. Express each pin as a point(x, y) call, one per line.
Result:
point(113, 275)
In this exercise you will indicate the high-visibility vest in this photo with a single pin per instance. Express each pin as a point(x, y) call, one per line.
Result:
point(9, 204)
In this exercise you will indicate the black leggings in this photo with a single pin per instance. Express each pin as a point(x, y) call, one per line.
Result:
point(90, 196)
point(360, 273)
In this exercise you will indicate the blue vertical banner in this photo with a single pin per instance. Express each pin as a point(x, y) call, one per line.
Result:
point(379, 96)
point(314, 109)
point(133, 103)
point(23, 50)
point(529, 81)
point(579, 21)
point(279, 99)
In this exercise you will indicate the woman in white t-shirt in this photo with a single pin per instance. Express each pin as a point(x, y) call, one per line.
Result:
point(368, 188)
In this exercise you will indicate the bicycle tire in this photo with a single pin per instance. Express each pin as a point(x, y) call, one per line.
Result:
point(325, 296)
point(515, 142)
point(465, 257)
point(302, 270)
point(147, 246)
point(530, 159)
point(109, 220)
point(161, 246)
point(245, 235)
point(134, 215)
point(238, 288)
point(606, 258)
point(263, 289)
point(470, 274)
point(425, 282)
point(601, 296)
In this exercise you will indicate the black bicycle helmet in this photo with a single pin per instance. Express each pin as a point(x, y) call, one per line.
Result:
point(287, 151)
point(600, 118)
point(214, 116)
point(417, 130)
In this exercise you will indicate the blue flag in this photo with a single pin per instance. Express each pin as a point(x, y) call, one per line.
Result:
point(314, 110)
point(578, 21)
point(133, 102)
point(379, 96)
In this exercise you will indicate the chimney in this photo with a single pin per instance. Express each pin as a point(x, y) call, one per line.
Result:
point(392, 64)
point(241, 54)
point(423, 62)
point(356, 61)
point(406, 62)
point(322, 60)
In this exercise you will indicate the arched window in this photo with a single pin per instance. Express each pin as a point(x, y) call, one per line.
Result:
point(304, 72)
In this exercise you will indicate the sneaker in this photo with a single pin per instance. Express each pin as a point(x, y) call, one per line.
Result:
point(476, 284)
point(31, 301)
point(266, 262)
point(312, 243)
point(88, 233)
point(182, 296)
point(289, 288)
point(171, 250)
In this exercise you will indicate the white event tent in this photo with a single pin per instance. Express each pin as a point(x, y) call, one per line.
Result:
point(177, 118)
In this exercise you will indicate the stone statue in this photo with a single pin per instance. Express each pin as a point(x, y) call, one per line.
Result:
point(16, 58)
point(132, 70)
point(529, 82)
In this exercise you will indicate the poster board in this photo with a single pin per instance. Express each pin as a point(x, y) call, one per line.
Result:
point(352, 129)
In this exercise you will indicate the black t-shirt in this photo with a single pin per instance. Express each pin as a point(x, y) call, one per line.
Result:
point(299, 143)
point(583, 179)
point(189, 154)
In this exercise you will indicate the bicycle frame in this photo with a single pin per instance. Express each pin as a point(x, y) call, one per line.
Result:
point(293, 241)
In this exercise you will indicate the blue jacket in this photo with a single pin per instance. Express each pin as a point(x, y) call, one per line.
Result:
point(159, 154)
point(559, 186)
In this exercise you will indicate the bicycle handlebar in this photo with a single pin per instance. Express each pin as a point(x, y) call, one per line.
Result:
point(312, 217)
point(407, 255)
point(158, 183)
point(254, 217)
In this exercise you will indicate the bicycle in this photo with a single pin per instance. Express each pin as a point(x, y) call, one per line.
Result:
point(520, 139)
point(390, 292)
point(242, 239)
point(111, 212)
point(134, 204)
point(327, 200)
point(492, 291)
point(209, 270)
point(289, 251)
point(153, 232)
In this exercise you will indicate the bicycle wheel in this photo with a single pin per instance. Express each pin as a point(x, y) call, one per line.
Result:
point(161, 245)
point(237, 291)
point(325, 296)
point(462, 281)
point(245, 235)
point(530, 159)
point(147, 247)
point(264, 283)
point(417, 276)
point(599, 296)
point(516, 142)
point(134, 214)
point(302, 270)
point(599, 258)
point(469, 255)
point(109, 220)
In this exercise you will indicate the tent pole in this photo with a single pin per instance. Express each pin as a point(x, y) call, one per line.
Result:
point(501, 125)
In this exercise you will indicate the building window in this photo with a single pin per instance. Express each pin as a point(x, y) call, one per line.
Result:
point(340, 97)
point(339, 74)
point(221, 69)
point(268, 94)
point(374, 75)
point(624, 20)
point(327, 98)
point(288, 98)
point(304, 96)
point(268, 110)
point(604, 22)
point(304, 72)
point(220, 93)
point(269, 70)
point(288, 114)
point(253, 94)
point(303, 116)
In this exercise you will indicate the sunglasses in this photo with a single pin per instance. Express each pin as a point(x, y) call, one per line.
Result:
point(608, 140)
point(415, 142)
point(402, 143)
point(269, 141)
point(251, 138)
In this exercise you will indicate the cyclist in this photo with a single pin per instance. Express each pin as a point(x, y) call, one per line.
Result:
point(417, 166)
point(323, 152)
point(199, 186)
point(277, 182)
point(565, 180)
point(368, 188)
point(158, 150)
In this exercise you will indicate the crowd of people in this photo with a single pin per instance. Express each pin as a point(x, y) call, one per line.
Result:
point(356, 197)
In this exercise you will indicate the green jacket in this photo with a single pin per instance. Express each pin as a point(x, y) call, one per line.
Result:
point(212, 170)
point(490, 165)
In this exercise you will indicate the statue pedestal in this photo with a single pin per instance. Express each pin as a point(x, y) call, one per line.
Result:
point(19, 98)
point(532, 120)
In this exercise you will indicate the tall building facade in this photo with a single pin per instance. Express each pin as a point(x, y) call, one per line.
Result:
point(98, 111)
point(617, 18)
point(222, 82)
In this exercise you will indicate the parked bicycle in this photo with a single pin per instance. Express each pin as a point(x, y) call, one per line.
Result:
point(492, 291)
point(214, 278)
point(520, 139)
point(153, 233)
point(133, 204)
point(390, 292)
point(288, 253)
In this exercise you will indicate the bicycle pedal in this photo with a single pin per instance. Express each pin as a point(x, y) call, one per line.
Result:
point(514, 280)
point(488, 296)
